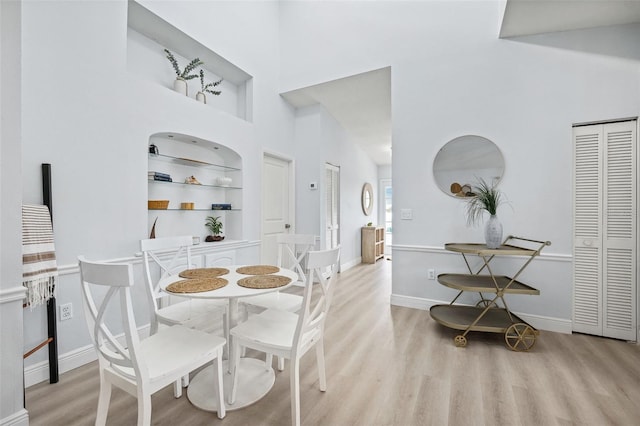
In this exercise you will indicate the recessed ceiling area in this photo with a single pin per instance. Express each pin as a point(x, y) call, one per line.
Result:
point(527, 17)
point(361, 104)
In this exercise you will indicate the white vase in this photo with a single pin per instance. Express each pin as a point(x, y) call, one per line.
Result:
point(180, 86)
point(493, 232)
point(201, 97)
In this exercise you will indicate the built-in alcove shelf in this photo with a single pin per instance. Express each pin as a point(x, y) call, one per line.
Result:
point(183, 157)
point(147, 37)
point(191, 163)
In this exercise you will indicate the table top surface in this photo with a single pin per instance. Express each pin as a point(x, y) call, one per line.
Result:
point(232, 289)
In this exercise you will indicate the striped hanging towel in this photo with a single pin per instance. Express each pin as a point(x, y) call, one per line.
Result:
point(38, 254)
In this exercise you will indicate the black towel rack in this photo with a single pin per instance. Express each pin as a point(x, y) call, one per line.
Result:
point(52, 326)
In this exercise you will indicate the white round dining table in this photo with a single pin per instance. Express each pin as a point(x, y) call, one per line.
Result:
point(255, 379)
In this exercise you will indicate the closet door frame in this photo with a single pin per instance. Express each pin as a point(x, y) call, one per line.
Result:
point(606, 159)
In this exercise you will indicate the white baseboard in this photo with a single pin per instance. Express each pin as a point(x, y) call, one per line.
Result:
point(557, 325)
point(20, 418)
point(348, 265)
point(38, 373)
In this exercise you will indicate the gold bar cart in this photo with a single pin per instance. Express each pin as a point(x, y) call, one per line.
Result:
point(488, 315)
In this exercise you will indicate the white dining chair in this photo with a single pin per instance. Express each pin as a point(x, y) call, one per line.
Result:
point(139, 367)
point(290, 335)
point(170, 256)
point(292, 251)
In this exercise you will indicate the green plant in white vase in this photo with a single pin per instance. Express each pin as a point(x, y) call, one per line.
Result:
point(214, 225)
point(180, 84)
point(207, 88)
point(486, 198)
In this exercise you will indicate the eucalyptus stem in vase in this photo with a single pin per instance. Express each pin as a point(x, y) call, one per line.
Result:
point(207, 88)
point(180, 83)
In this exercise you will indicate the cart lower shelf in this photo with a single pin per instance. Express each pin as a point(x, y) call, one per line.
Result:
point(519, 335)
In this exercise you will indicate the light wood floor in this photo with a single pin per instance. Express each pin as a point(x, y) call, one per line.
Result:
point(395, 366)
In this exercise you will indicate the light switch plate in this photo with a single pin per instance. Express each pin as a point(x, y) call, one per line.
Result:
point(406, 214)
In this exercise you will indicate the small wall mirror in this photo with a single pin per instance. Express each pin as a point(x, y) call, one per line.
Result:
point(367, 199)
point(462, 161)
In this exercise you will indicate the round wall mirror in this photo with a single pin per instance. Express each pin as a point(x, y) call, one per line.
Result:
point(367, 199)
point(463, 161)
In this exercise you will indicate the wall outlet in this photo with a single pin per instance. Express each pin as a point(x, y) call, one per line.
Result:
point(431, 274)
point(66, 311)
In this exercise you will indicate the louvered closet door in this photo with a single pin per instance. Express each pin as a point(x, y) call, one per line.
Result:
point(587, 252)
point(619, 231)
point(605, 230)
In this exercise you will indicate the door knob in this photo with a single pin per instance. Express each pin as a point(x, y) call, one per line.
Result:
point(287, 226)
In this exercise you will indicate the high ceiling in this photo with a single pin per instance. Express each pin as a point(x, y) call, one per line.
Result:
point(527, 17)
point(362, 103)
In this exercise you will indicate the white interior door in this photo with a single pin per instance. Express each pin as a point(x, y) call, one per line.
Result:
point(277, 204)
point(605, 230)
point(332, 212)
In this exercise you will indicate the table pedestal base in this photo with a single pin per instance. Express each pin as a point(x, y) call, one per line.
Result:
point(254, 381)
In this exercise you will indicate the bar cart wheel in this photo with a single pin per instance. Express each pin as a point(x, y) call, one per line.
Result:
point(520, 337)
point(460, 341)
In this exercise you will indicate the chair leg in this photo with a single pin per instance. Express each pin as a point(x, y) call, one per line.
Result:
point(103, 403)
point(268, 360)
point(219, 386)
point(225, 327)
point(295, 391)
point(177, 389)
point(235, 353)
point(322, 376)
point(144, 408)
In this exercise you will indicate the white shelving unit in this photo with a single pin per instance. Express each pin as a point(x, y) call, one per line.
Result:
point(181, 157)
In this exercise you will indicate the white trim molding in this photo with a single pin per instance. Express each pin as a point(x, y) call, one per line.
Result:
point(19, 418)
point(12, 294)
point(440, 250)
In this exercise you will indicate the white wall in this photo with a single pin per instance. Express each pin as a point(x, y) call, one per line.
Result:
point(320, 140)
point(452, 76)
point(91, 119)
point(91, 114)
point(11, 292)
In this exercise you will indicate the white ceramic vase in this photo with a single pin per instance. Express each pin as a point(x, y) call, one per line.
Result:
point(201, 97)
point(180, 86)
point(493, 232)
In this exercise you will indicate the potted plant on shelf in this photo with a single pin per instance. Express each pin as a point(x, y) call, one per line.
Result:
point(207, 88)
point(486, 198)
point(214, 225)
point(180, 83)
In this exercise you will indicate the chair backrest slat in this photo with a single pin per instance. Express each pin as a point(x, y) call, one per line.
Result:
point(314, 311)
point(292, 250)
point(117, 280)
point(170, 255)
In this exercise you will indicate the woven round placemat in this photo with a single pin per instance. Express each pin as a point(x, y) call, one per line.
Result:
point(264, 281)
point(257, 270)
point(203, 272)
point(197, 285)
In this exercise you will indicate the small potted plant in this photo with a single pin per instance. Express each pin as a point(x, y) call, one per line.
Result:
point(486, 198)
point(180, 84)
point(206, 88)
point(214, 225)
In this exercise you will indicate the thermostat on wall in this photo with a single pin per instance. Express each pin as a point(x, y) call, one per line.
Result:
point(313, 185)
